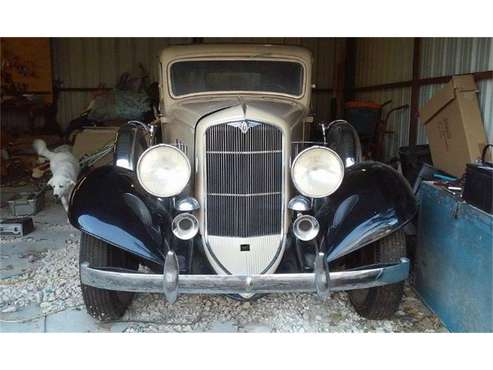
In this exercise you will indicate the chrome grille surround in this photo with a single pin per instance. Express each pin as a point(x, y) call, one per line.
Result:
point(243, 191)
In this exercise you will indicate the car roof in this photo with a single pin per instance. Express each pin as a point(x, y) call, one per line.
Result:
point(235, 50)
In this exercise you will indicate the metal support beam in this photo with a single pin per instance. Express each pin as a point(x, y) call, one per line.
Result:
point(414, 114)
point(350, 71)
point(478, 76)
point(339, 78)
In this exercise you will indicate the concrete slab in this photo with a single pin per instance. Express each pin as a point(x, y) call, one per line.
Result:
point(31, 326)
point(51, 231)
point(78, 320)
point(255, 327)
point(223, 327)
point(28, 319)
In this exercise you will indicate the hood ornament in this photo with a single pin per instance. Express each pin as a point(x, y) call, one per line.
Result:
point(244, 126)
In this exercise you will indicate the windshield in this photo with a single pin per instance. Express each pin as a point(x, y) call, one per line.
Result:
point(200, 76)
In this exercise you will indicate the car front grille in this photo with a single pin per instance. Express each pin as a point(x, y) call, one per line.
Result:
point(244, 172)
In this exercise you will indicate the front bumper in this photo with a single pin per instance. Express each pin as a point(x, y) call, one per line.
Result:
point(171, 283)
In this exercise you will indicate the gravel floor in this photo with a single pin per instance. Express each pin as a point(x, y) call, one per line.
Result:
point(49, 282)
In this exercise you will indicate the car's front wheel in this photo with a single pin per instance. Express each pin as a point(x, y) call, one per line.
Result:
point(380, 302)
point(102, 304)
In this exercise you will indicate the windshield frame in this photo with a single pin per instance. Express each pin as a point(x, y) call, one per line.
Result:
point(237, 92)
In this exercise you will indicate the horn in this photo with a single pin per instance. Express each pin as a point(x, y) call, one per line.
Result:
point(306, 227)
point(185, 226)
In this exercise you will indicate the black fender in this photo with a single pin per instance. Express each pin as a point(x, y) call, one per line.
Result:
point(109, 204)
point(372, 202)
point(344, 140)
point(131, 142)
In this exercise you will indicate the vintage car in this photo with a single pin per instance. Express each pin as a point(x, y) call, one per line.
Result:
point(225, 193)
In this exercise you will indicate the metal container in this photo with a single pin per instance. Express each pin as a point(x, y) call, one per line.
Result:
point(16, 226)
point(27, 203)
point(478, 187)
point(453, 260)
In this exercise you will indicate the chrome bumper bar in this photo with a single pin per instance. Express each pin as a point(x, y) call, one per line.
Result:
point(171, 283)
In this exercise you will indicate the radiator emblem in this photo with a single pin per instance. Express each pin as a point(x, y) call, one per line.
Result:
point(244, 126)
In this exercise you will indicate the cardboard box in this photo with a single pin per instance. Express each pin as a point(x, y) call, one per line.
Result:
point(92, 139)
point(453, 125)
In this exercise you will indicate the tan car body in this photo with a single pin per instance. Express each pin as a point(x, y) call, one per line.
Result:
point(185, 119)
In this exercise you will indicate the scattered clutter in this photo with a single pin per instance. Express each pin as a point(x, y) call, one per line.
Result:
point(453, 125)
point(412, 160)
point(133, 98)
point(19, 158)
point(93, 146)
point(478, 187)
point(27, 204)
point(28, 103)
point(120, 104)
point(16, 226)
point(372, 125)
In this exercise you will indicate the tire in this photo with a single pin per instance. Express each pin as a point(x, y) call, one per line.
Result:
point(380, 302)
point(102, 304)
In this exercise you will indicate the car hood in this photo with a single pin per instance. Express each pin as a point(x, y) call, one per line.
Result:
point(190, 111)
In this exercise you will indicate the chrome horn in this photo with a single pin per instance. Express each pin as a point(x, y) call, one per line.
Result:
point(185, 226)
point(306, 227)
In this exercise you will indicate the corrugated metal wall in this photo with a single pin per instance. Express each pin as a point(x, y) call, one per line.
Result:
point(449, 56)
point(386, 60)
point(87, 62)
point(383, 60)
point(486, 104)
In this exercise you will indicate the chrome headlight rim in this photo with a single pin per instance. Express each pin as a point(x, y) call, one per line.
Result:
point(154, 147)
point(300, 155)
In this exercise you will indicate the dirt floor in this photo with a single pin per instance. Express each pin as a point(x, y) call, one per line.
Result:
point(39, 292)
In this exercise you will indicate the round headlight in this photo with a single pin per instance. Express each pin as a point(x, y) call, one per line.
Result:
point(163, 170)
point(317, 172)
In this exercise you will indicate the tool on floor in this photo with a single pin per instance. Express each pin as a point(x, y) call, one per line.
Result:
point(18, 226)
point(27, 203)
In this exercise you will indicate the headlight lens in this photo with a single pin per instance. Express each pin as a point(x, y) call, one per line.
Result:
point(317, 172)
point(163, 170)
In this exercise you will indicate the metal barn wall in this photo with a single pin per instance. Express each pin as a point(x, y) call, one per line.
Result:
point(449, 56)
point(383, 60)
point(380, 61)
point(387, 60)
point(88, 62)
